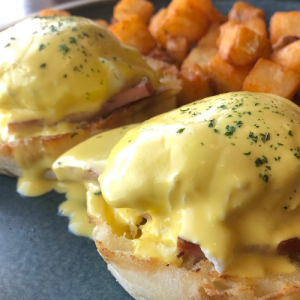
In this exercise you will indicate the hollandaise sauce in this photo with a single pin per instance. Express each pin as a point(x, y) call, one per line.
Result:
point(57, 70)
point(222, 173)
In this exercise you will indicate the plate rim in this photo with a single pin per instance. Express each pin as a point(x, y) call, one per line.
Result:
point(63, 6)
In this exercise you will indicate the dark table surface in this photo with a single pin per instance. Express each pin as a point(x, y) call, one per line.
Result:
point(13, 10)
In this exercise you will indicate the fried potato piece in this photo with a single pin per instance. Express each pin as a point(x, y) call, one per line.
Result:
point(243, 12)
point(257, 25)
point(209, 10)
point(185, 19)
point(242, 46)
point(284, 41)
point(205, 49)
point(132, 31)
point(48, 12)
point(270, 77)
point(284, 23)
point(211, 36)
point(102, 22)
point(223, 28)
point(178, 48)
point(195, 85)
point(156, 22)
point(124, 8)
point(201, 56)
point(226, 77)
point(289, 56)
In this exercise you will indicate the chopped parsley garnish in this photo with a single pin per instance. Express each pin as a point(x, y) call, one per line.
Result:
point(216, 130)
point(42, 47)
point(230, 130)
point(223, 106)
point(65, 76)
point(98, 193)
point(290, 133)
point(64, 48)
point(101, 35)
point(265, 137)
point(268, 167)
point(85, 34)
point(42, 66)
point(74, 134)
point(279, 144)
point(180, 130)
point(74, 29)
point(265, 160)
point(211, 123)
point(72, 40)
point(259, 162)
point(247, 153)
point(265, 178)
point(256, 104)
point(239, 123)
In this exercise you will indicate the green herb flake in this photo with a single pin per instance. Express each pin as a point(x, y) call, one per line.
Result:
point(65, 76)
point(211, 123)
point(7, 45)
point(42, 47)
point(265, 137)
point(181, 130)
point(42, 66)
point(247, 153)
point(72, 40)
point(256, 104)
point(98, 193)
point(223, 106)
point(258, 162)
point(239, 123)
point(265, 178)
point(290, 133)
point(74, 29)
point(64, 48)
point(279, 144)
point(74, 134)
point(101, 35)
point(216, 131)
point(230, 130)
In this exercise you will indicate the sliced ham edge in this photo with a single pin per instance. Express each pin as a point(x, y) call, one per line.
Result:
point(129, 95)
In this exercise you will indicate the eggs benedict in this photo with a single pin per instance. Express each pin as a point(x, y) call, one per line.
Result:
point(62, 80)
point(201, 202)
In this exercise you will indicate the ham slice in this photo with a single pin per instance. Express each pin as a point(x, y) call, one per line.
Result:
point(129, 95)
point(289, 247)
point(142, 90)
point(188, 248)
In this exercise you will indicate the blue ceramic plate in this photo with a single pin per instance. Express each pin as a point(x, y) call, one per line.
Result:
point(39, 258)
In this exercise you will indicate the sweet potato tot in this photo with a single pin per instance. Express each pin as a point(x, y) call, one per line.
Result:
point(195, 85)
point(156, 22)
point(124, 8)
point(243, 12)
point(284, 23)
point(177, 47)
point(183, 19)
point(201, 56)
point(270, 77)
point(132, 31)
point(102, 22)
point(226, 77)
point(48, 12)
point(288, 56)
point(241, 46)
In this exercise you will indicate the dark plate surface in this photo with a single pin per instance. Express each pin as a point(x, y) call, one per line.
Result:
point(39, 258)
